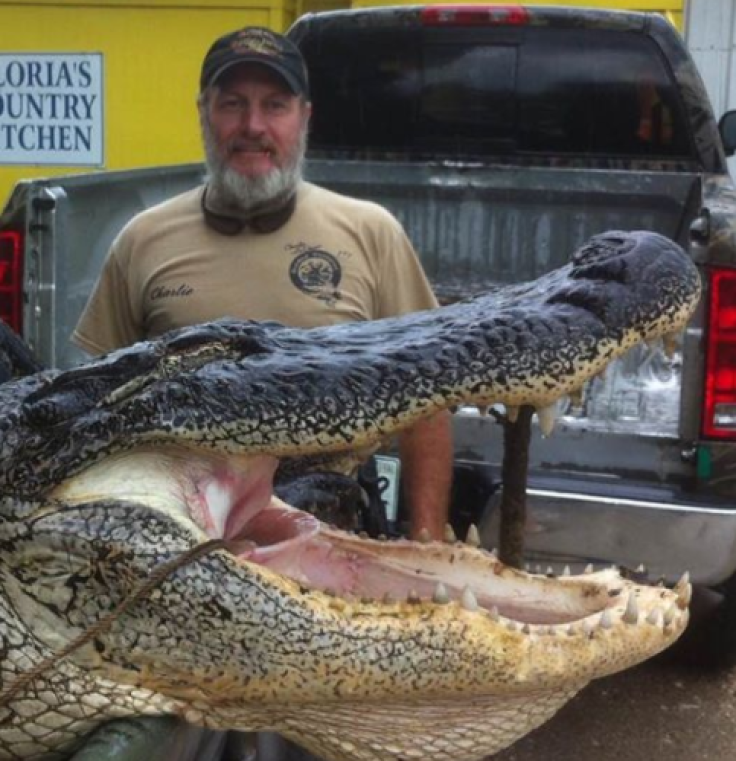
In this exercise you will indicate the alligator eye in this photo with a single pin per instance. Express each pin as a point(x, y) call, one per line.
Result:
point(41, 413)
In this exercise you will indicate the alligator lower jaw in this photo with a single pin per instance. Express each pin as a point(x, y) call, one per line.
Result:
point(366, 574)
point(229, 497)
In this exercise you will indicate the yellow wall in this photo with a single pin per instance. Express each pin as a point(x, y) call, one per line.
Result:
point(672, 9)
point(152, 52)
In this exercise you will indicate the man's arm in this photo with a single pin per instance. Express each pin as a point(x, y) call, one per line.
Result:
point(426, 462)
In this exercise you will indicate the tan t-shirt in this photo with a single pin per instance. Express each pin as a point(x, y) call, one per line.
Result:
point(337, 260)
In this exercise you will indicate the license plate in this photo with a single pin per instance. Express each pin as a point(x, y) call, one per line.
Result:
point(390, 469)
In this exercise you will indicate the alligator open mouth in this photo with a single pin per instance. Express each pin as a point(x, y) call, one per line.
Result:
point(230, 497)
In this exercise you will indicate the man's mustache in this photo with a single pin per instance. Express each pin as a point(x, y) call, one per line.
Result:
point(238, 146)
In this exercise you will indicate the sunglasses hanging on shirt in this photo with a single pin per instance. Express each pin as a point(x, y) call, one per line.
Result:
point(263, 221)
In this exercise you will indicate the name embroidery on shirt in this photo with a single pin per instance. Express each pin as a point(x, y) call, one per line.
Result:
point(165, 292)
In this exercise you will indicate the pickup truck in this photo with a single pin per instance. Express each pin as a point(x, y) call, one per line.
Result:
point(502, 137)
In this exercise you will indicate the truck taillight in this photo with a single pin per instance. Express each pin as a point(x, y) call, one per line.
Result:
point(719, 407)
point(11, 274)
point(474, 15)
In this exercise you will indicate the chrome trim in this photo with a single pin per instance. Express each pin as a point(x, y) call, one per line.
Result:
point(668, 538)
point(635, 503)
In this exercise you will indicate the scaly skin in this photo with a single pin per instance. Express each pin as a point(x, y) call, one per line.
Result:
point(109, 471)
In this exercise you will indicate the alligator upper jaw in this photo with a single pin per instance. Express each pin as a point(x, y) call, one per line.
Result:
point(263, 388)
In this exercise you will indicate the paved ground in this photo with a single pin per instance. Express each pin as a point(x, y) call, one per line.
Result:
point(656, 711)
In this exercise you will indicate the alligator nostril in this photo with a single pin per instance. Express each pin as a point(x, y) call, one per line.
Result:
point(605, 246)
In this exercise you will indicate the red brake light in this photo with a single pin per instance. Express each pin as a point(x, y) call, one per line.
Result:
point(11, 273)
point(474, 15)
point(719, 407)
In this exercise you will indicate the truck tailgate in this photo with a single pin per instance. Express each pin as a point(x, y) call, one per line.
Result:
point(474, 226)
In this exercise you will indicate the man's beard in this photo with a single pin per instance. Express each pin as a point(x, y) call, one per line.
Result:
point(235, 191)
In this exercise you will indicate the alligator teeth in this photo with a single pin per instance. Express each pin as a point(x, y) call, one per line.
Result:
point(684, 591)
point(685, 596)
point(526, 629)
point(440, 596)
point(450, 537)
point(512, 413)
point(566, 571)
point(576, 397)
point(473, 537)
point(483, 410)
point(631, 614)
point(550, 572)
point(547, 417)
point(641, 568)
point(670, 342)
point(654, 617)
point(468, 600)
point(493, 614)
point(590, 568)
point(424, 536)
point(670, 614)
point(588, 627)
point(388, 599)
point(606, 622)
point(413, 597)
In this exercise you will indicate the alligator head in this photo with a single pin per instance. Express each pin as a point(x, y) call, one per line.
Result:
point(116, 475)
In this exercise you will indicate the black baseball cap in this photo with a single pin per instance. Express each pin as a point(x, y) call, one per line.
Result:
point(256, 44)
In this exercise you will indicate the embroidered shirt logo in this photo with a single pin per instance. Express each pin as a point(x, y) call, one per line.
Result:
point(171, 292)
point(316, 273)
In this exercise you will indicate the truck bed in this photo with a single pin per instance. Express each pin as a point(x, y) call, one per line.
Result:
point(476, 226)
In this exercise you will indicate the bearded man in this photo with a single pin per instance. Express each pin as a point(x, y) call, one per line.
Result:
point(258, 242)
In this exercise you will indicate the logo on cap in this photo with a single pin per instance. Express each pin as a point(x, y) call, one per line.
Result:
point(259, 45)
point(257, 41)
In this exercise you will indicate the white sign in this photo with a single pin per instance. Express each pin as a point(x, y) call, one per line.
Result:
point(390, 469)
point(51, 109)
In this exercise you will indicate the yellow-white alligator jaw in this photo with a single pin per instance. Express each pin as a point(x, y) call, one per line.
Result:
point(452, 671)
point(358, 649)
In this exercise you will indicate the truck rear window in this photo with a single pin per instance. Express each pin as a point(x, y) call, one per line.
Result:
point(487, 92)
